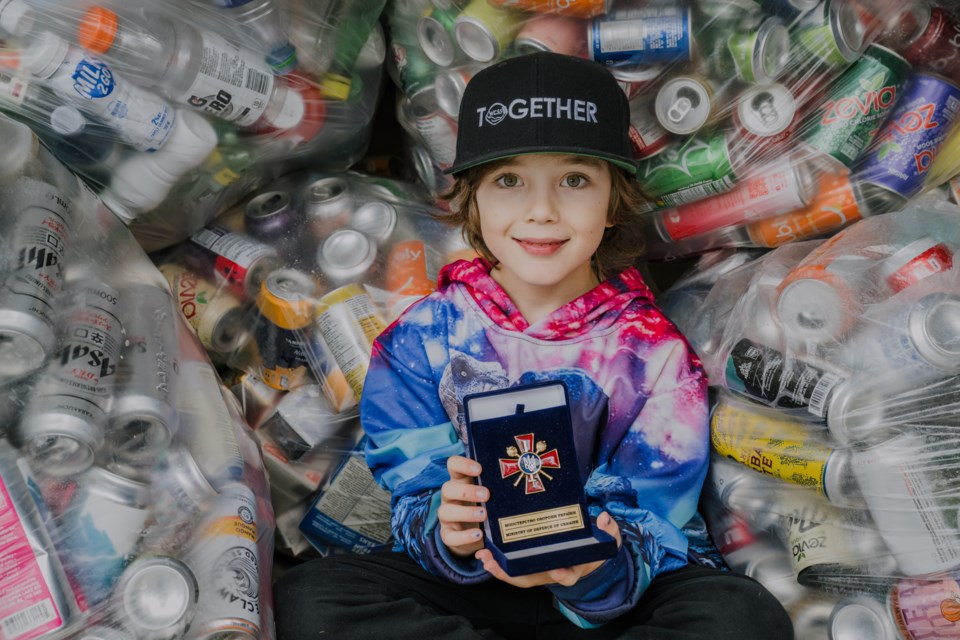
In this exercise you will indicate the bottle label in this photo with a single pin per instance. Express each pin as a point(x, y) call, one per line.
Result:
point(233, 84)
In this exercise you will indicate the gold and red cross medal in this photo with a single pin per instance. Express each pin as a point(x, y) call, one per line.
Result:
point(529, 461)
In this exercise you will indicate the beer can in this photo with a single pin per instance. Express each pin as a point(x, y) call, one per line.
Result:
point(684, 104)
point(36, 598)
point(912, 501)
point(304, 420)
point(345, 256)
point(240, 260)
point(833, 32)
point(226, 561)
point(578, 9)
point(270, 216)
point(63, 426)
point(156, 598)
point(918, 260)
point(328, 204)
point(559, 34)
point(858, 617)
point(450, 85)
point(644, 36)
point(937, 47)
point(647, 136)
point(435, 35)
point(285, 303)
point(926, 608)
point(377, 220)
point(689, 170)
point(143, 417)
point(922, 337)
point(846, 122)
point(349, 323)
point(214, 312)
point(915, 131)
point(484, 31)
point(765, 114)
point(436, 129)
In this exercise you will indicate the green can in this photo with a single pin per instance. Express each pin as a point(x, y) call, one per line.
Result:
point(833, 32)
point(410, 68)
point(689, 170)
point(848, 118)
point(757, 56)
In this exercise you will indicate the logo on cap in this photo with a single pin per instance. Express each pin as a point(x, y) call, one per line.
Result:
point(496, 113)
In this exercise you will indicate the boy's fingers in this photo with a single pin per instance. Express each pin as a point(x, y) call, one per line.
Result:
point(462, 467)
point(453, 537)
point(464, 492)
point(450, 513)
point(610, 526)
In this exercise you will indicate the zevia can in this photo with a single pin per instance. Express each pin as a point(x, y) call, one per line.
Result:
point(214, 312)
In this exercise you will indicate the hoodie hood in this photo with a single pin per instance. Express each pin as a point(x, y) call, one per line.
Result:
point(595, 310)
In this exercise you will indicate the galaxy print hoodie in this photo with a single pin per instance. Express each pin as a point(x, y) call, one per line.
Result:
point(640, 417)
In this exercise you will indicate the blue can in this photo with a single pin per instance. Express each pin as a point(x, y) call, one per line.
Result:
point(912, 135)
point(645, 36)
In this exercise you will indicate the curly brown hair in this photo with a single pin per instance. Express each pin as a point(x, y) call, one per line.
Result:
point(622, 242)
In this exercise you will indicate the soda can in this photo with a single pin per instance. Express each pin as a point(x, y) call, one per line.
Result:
point(910, 141)
point(689, 170)
point(349, 323)
point(435, 128)
point(647, 136)
point(559, 34)
point(215, 313)
point(411, 269)
point(484, 31)
point(757, 55)
point(36, 598)
point(377, 220)
point(304, 420)
point(240, 260)
point(937, 47)
point(226, 560)
point(922, 337)
point(39, 235)
point(428, 171)
point(143, 417)
point(345, 256)
point(450, 85)
point(270, 215)
point(765, 115)
point(285, 304)
point(577, 9)
point(833, 32)
point(156, 598)
point(743, 492)
point(684, 104)
point(911, 499)
point(788, 10)
point(328, 204)
point(413, 69)
point(846, 122)
point(63, 426)
point(770, 566)
point(918, 260)
point(650, 35)
point(926, 609)
point(858, 617)
point(435, 35)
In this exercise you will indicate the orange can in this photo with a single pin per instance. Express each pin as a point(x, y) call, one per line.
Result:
point(572, 8)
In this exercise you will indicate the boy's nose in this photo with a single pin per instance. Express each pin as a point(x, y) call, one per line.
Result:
point(543, 208)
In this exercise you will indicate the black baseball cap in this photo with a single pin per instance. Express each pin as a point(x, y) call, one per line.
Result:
point(543, 103)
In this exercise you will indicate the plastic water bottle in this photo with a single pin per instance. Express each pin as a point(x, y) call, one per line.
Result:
point(199, 69)
point(263, 20)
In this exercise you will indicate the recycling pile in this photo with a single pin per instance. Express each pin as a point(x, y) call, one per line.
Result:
point(174, 110)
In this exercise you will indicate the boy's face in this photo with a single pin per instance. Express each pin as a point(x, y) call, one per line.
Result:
point(542, 217)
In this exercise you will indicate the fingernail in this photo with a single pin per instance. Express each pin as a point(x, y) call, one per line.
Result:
point(480, 513)
point(483, 494)
point(475, 468)
point(604, 519)
point(477, 534)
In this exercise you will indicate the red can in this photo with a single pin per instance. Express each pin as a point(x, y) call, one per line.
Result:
point(937, 48)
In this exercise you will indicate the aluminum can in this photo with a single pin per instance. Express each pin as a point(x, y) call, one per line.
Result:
point(765, 115)
point(304, 420)
point(651, 35)
point(414, 70)
point(647, 136)
point(788, 9)
point(377, 220)
point(349, 323)
point(240, 260)
point(286, 306)
point(102, 632)
point(689, 170)
point(328, 204)
point(156, 598)
point(345, 256)
point(435, 35)
point(39, 235)
point(327, 371)
point(912, 501)
point(833, 31)
point(918, 260)
point(63, 426)
point(846, 122)
point(787, 185)
point(559, 34)
point(215, 313)
point(684, 104)
point(770, 566)
point(922, 337)
point(576, 8)
point(484, 31)
point(937, 47)
point(450, 85)
point(859, 617)
point(913, 136)
point(744, 493)
point(35, 596)
point(757, 55)
point(436, 129)
point(926, 609)
point(270, 216)
point(766, 375)
point(143, 417)
point(811, 617)
point(226, 561)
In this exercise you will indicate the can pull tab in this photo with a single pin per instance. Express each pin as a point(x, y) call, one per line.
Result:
point(679, 109)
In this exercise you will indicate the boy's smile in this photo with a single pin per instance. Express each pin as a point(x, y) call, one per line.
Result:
point(542, 217)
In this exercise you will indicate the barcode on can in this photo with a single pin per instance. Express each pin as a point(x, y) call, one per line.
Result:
point(20, 623)
point(257, 81)
point(820, 394)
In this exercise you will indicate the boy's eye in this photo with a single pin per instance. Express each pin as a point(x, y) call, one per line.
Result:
point(575, 180)
point(508, 180)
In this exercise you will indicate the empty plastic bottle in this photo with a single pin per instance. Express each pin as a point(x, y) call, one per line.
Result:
point(264, 21)
point(199, 69)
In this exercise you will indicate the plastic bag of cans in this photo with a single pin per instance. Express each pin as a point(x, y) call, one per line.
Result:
point(289, 290)
point(836, 479)
point(133, 501)
point(175, 110)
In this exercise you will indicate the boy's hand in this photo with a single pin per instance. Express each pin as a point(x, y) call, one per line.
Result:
point(461, 507)
point(565, 577)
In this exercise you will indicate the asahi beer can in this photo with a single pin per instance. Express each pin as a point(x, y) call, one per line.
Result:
point(926, 608)
point(240, 260)
point(214, 312)
point(910, 499)
point(143, 417)
point(286, 304)
point(647, 136)
point(435, 35)
point(559, 34)
point(36, 598)
point(649, 35)
point(345, 256)
point(765, 114)
point(226, 561)
point(450, 85)
point(833, 32)
point(689, 170)
point(860, 617)
point(484, 31)
point(157, 598)
point(376, 219)
point(915, 131)
point(937, 48)
point(327, 205)
point(918, 260)
point(846, 122)
point(924, 336)
point(63, 426)
point(684, 104)
point(270, 216)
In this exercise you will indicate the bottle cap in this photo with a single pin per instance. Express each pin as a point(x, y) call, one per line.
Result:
point(45, 54)
point(16, 17)
point(19, 145)
point(192, 139)
point(67, 121)
point(98, 29)
point(290, 113)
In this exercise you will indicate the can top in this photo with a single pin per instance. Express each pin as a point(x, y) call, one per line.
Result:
point(683, 105)
point(328, 197)
point(847, 28)
point(436, 41)
point(934, 326)
point(376, 219)
point(287, 298)
point(346, 253)
point(766, 110)
point(449, 86)
point(855, 412)
point(861, 617)
point(158, 593)
point(772, 54)
point(267, 205)
point(476, 40)
point(815, 309)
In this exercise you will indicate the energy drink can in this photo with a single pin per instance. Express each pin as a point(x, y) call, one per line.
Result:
point(578, 9)
point(650, 35)
point(156, 598)
point(327, 205)
point(857, 617)
point(559, 34)
point(484, 31)
point(689, 170)
point(915, 131)
point(63, 426)
point(226, 561)
point(345, 256)
point(685, 104)
point(143, 417)
point(286, 304)
point(918, 260)
point(435, 33)
point(450, 85)
point(349, 323)
point(845, 124)
point(833, 32)
point(242, 261)
point(647, 136)
point(270, 216)
point(215, 313)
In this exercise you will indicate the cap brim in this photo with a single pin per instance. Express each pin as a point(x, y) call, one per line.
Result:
point(624, 163)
